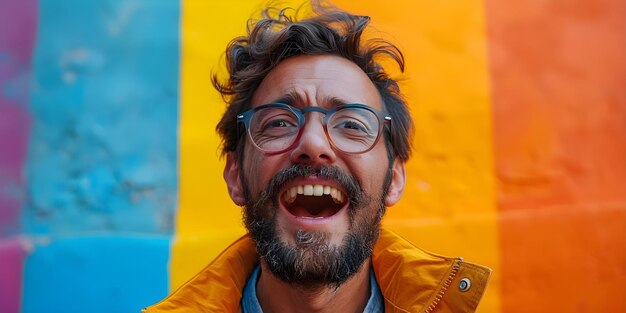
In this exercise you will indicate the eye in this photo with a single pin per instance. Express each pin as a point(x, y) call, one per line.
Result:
point(278, 122)
point(352, 125)
point(273, 119)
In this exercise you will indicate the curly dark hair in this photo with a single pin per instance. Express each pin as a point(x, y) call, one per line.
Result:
point(330, 31)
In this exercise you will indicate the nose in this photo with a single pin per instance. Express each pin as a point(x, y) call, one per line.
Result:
point(314, 146)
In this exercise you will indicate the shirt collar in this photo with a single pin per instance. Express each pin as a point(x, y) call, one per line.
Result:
point(250, 303)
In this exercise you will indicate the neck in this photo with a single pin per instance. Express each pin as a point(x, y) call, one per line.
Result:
point(276, 295)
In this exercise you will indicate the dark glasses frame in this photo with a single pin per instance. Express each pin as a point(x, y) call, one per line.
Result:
point(246, 117)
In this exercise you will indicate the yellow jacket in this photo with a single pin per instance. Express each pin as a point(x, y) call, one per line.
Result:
point(411, 280)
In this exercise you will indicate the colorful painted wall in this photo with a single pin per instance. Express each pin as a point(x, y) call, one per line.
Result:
point(110, 183)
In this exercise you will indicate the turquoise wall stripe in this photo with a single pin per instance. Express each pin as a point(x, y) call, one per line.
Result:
point(103, 149)
point(101, 168)
point(96, 274)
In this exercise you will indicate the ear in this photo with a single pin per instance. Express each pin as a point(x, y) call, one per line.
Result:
point(232, 178)
point(398, 179)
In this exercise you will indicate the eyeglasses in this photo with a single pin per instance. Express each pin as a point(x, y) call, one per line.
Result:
point(277, 127)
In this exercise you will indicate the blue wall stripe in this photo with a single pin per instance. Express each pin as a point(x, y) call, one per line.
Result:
point(96, 274)
point(104, 100)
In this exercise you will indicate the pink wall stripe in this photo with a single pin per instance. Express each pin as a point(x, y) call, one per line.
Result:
point(18, 24)
point(11, 268)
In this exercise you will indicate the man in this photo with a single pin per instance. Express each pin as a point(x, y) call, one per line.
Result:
point(315, 136)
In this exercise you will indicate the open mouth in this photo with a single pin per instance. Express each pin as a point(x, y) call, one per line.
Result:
point(313, 201)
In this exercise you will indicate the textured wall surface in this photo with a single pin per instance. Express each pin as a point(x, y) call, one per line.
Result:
point(104, 102)
point(559, 104)
point(88, 179)
point(111, 190)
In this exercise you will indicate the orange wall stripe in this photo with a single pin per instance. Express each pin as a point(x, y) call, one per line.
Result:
point(558, 77)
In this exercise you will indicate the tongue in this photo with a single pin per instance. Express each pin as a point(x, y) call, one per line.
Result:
point(301, 211)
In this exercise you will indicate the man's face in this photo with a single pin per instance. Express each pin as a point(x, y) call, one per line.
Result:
point(314, 239)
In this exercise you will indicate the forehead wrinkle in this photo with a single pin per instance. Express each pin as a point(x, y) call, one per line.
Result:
point(293, 98)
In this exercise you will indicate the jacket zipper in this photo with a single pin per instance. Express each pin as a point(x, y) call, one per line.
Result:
point(445, 286)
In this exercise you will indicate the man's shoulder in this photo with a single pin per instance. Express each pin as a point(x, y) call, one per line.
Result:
point(412, 279)
point(218, 286)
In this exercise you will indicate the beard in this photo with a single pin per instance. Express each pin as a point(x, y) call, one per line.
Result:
point(312, 262)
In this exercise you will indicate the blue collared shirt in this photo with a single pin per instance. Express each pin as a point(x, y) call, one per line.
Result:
point(250, 303)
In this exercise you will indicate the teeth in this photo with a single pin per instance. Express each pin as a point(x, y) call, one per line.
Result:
point(318, 190)
point(293, 192)
point(308, 190)
point(313, 190)
point(339, 197)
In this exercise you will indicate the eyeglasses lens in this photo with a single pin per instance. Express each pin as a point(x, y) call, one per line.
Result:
point(351, 130)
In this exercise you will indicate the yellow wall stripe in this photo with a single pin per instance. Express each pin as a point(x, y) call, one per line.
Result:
point(207, 219)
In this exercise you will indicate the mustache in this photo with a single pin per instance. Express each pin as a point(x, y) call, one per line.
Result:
point(351, 185)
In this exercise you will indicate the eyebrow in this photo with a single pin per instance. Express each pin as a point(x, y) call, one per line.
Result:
point(292, 97)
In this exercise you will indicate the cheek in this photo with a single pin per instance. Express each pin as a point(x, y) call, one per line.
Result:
point(259, 169)
point(250, 171)
point(370, 169)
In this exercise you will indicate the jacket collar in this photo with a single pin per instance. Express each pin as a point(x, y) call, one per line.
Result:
point(411, 280)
